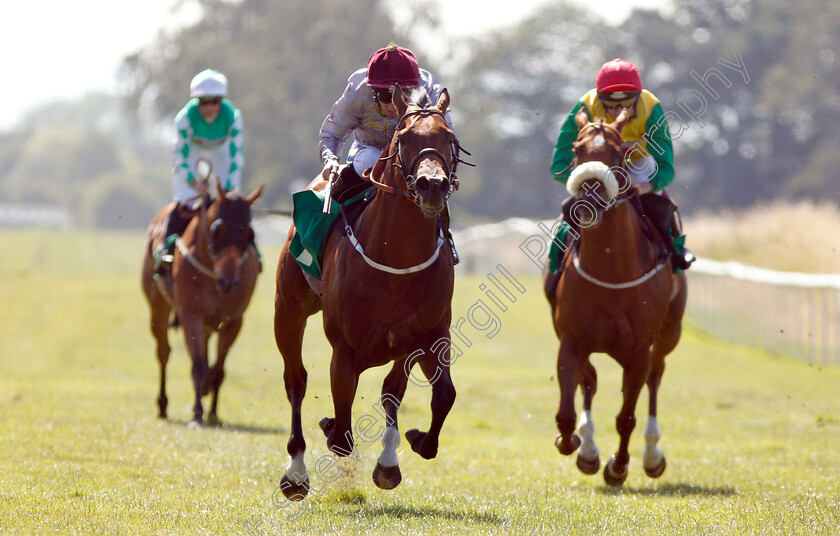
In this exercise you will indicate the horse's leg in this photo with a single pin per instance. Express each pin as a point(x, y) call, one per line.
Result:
point(344, 379)
point(569, 364)
point(196, 340)
point(636, 371)
point(588, 460)
point(387, 474)
point(227, 335)
point(289, 326)
point(160, 327)
point(443, 397)
point(653, 457)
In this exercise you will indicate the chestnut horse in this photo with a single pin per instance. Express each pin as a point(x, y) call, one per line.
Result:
point(213, 275)
point(616, 295)
point(386, 293)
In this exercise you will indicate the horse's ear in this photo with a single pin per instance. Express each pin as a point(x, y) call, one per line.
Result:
point(443, 101)
point(621, 120)
point(220, 192)
point(254, 195)
point(581, 118)
point(399, 100)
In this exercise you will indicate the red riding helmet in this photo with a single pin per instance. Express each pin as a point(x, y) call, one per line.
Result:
point(393, 65)
point(618, 75)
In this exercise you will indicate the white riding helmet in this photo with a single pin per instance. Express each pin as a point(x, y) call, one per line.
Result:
point(209, 83)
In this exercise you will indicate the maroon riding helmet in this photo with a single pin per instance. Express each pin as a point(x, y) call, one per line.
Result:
point(393, 65)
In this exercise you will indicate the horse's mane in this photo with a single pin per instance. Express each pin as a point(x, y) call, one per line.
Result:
point(419, 97)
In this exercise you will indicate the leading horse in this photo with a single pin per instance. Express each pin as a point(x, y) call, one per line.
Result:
point(213, 275)
point(617, 295)
point(386, 293)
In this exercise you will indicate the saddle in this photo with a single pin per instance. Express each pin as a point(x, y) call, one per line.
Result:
point(313, 227)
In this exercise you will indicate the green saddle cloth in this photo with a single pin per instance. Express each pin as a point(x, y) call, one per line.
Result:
point(312, 228)
point(555, 254)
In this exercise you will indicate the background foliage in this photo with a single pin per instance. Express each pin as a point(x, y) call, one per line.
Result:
point(772, 137)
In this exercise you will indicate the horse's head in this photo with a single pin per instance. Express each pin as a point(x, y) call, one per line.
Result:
point(598, 154)
point(230, 235)
point(424, 151)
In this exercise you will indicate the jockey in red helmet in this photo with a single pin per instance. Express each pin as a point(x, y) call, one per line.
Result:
point(366, 111)
point(618, 87)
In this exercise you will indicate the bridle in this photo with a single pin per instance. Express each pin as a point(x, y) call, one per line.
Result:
point(637, 205)
point(397, 161)
point(207, 231)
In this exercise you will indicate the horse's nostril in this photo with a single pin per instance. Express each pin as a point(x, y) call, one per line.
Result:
point(227, 284)
point(422, 184)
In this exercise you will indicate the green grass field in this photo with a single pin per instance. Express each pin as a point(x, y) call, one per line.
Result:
point(752, 440)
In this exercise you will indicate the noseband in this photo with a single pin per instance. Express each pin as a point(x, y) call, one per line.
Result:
point(406, 171)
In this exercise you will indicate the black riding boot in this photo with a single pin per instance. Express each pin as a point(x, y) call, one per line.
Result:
point(347, 184)
point(176, 224)
point(664, 214)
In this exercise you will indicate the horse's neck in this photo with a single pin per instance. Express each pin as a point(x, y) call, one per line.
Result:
point(619, 242)
point(394, 230)
point(196, 235)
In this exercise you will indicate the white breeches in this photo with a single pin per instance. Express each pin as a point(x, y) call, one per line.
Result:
point(220, 158)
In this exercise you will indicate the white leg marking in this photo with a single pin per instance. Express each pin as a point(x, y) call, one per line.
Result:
point(296, 470)
point(390, 442)
point(653, 454)
point(586, 430)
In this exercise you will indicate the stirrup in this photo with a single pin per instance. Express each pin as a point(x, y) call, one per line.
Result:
point(455, 257)
point(163, 262)
point(684, 259)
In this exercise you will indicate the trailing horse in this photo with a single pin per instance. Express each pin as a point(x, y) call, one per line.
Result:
point(213, 275)
point(618, 295)
point(386, 293)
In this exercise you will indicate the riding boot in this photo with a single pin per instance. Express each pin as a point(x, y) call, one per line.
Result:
point(447, 233)
point(176, 224)
point(683, 257)
point(345, 182)
point(664, 214)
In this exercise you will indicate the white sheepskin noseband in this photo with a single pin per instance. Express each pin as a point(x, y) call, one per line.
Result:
point(593, 170)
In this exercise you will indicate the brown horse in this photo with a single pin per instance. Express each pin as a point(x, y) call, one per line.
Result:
point(213, 275)
point(386, 297)
point(616, 295)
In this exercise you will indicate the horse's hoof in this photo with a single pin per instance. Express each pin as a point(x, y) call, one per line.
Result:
point(568, 445)
point(588, 467)
point(657, 471)
point(213, 420)
point(613, 476)
point(196, 424)
point(294, 491)
point(387, 477)
point(417, 440)
point(326, 425)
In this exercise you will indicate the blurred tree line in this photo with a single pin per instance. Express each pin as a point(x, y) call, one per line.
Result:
point(751, 88)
